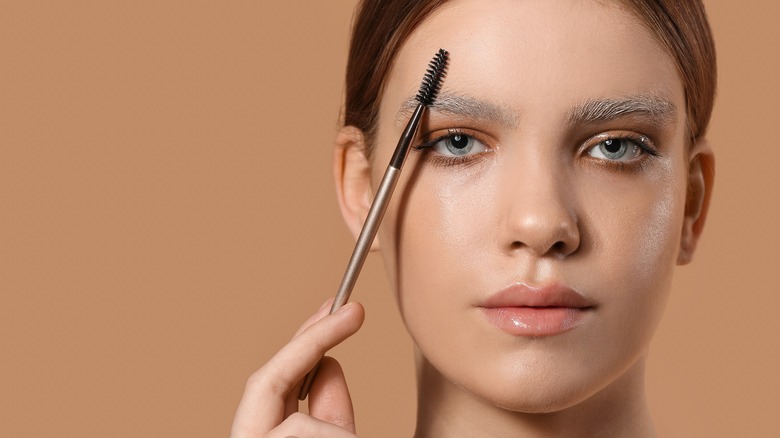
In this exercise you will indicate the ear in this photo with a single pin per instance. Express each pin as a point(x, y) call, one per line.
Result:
point(352, 174)
point(701, 177)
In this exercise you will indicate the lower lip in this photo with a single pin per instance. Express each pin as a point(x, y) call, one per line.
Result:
point(535, 321)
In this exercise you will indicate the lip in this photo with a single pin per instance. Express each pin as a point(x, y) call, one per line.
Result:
point(547, 310)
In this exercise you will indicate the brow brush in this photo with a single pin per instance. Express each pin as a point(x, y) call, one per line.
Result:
point(429, 89)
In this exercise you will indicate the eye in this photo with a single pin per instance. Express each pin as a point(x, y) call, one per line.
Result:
point(617, 149)
point(458, 145)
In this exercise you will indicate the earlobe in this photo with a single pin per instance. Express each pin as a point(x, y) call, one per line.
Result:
point(352, 175)
point(701, 177)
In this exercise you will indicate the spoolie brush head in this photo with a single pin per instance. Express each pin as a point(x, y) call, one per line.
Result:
point(431, 83)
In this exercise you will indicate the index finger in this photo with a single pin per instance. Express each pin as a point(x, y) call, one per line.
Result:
point(318, 315)
point(262, 405)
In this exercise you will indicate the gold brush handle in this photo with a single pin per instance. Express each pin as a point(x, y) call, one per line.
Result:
point(370, 227)
point(431, 84)
point(359, 254)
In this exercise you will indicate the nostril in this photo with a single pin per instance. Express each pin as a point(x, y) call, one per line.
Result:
point(544, 235)
point(558, 247)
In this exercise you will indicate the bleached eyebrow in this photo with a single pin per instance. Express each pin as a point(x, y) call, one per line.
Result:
point(461, 105)
point(660, 110)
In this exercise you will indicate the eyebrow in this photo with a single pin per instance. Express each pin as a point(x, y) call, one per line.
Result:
point(461, 105)
point(657, 108)
point(660, 110)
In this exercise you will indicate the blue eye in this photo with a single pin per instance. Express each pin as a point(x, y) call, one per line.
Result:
point(616, 149)
point(458, 145)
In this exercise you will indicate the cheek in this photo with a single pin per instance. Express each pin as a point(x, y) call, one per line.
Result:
point(446, 227)
point(632, 236)
point(638, 229)
point(458, 217)
point(441, 230)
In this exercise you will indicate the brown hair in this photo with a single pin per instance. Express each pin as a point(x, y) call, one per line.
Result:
point(382, 26)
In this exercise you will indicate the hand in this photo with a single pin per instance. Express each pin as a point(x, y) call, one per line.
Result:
point(269, 406)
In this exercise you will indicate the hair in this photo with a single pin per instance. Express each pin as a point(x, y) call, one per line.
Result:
point(382, 26)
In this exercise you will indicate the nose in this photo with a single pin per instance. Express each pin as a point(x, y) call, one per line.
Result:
point(540, 213)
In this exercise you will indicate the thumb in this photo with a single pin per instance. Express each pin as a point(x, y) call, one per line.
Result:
point(329, 398)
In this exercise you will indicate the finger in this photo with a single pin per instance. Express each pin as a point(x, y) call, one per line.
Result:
point(329, 398)
point(301, 354)
point(264, 402)
point(318, 315)
point(304, 426)
point(291, 403)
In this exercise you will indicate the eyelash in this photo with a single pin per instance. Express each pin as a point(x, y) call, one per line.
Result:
point(438, 160)
point(637, 165)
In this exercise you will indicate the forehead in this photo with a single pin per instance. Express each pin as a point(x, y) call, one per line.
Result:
point(537, 57)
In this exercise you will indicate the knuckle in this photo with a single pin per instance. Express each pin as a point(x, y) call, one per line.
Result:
point(321, 345)
point(319, 339)
point(261, 382)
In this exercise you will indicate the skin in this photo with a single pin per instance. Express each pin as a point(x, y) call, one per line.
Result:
point(539, 85)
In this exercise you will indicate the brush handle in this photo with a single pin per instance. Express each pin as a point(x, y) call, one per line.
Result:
point(359, 255)
point(371, 226)
point(366, 238)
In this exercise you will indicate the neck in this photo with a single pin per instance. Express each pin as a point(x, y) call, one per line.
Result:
point(447, 410)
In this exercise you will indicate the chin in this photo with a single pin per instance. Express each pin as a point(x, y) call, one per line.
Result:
point(543, 385)
point(537, 395)
point(542, 402)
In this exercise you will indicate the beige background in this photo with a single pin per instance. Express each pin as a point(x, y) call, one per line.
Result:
point(167, 219)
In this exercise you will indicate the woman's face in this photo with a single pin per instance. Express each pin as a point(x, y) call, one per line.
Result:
point(532, 242)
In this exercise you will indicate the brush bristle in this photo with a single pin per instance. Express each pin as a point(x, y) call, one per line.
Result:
point(431, 83)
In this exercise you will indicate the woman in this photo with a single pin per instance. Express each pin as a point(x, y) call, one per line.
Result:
point(559, 178)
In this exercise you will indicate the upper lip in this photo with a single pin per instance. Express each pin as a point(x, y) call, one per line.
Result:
point(550, 295)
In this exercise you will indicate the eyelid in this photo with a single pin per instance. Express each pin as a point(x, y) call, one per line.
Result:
point(642, 141)
point(638, 164)
point(430, 139)
point(436, 159)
